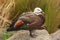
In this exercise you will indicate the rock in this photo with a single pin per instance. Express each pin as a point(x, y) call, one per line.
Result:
point(24, 35)
point(56, 35)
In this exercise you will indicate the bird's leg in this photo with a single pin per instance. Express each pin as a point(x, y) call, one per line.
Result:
point(32, 34)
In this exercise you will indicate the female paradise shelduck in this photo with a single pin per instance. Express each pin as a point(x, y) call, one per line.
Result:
point(31, 20)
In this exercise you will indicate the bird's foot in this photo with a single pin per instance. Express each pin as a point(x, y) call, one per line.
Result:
point(33, 35)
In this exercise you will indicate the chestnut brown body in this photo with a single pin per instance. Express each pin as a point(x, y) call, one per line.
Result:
point(30, 20)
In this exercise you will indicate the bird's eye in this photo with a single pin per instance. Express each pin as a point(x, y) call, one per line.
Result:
point(41, 12)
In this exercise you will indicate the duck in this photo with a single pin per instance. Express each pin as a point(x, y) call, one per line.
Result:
point(29, 21)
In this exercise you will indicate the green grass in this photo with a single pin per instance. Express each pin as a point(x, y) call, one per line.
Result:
point(52, 15)
point(6, 35)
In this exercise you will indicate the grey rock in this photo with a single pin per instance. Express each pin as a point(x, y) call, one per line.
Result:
point(56, 35)
point(24, 35)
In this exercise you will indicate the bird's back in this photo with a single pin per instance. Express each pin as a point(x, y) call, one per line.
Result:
point(32, 19)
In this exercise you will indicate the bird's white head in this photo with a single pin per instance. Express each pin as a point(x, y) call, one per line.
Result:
point(38, 11)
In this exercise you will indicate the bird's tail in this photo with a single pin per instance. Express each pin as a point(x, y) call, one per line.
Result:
point(16, 26)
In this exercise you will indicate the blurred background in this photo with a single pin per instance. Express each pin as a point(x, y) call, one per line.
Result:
point(11, 9)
